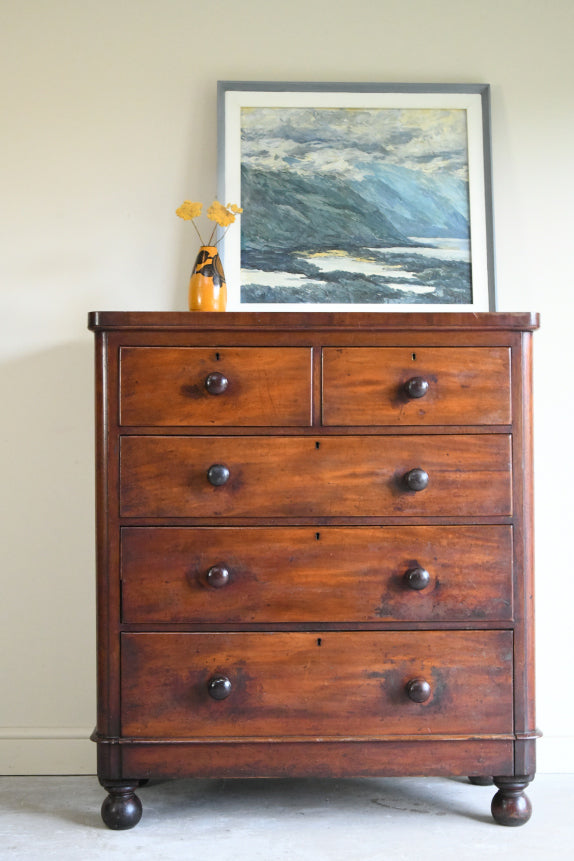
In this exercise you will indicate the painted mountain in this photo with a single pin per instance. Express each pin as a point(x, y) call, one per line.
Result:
point(354, 206)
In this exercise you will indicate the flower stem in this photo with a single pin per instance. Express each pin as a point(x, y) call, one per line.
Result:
point(197, 231)
point(223, 235)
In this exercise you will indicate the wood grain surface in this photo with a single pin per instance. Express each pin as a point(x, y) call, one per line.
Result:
point(306, 477)
point(323, 574)
point(329, 684)
point(166, 386)
point(466, 386)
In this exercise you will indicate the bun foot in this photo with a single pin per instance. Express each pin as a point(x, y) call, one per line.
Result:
point(479, 780)
point(510, 806)
point(122, 809)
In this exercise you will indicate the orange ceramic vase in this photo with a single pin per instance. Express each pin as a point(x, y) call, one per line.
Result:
point(207, 287)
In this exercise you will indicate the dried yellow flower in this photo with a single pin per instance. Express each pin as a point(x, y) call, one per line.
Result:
point(220, 214)
point(189, 210)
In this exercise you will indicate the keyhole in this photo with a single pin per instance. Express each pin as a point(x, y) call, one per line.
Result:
point(217, 357)
point(414, 357)
point(317, 535)
point(318, 641)
point(317, 445)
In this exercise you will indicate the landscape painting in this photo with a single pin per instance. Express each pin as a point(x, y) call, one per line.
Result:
point(356, 206)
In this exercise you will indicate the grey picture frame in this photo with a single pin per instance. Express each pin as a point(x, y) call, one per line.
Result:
point(250, 110)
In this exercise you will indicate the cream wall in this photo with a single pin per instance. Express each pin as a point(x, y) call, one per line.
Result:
point(109, 121)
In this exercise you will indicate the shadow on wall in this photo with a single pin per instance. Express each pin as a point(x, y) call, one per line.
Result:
point(46, 463)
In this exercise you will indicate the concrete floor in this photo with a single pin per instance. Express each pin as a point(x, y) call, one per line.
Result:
point(44, 818)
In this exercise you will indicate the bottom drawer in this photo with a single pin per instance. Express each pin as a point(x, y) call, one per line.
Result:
point(358, 684)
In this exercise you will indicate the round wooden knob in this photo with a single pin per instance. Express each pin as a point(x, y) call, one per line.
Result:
point(219, 687)
point(416, 387)
point(217, 474)
point(216, 383)
point(417, 578)
point(418, 690)
point(218, 576)
point(416, 479)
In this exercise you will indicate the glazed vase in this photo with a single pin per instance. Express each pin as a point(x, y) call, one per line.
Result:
point(207, 287)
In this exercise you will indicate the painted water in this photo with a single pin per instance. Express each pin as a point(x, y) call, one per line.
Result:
point(428, 271)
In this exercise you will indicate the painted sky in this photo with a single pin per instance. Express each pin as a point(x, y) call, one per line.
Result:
point(348, 142)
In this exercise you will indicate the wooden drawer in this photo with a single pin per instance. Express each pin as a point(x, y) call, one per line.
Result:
point(301, 574)
point(466, 386)
point(258, 387)
point(332, 684)
point(469, 475)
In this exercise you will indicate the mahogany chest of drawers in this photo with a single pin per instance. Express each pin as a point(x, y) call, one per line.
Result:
point(314, 549)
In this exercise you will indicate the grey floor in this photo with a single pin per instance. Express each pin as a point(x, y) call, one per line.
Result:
point(300, 820)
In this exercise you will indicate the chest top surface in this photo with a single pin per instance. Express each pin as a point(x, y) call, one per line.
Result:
point(238, 321)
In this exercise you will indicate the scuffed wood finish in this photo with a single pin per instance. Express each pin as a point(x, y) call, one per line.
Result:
point(176, 322)
point(348, 684)
point(322, 574)
point(273, 598)
point(167, 386)
point(289, 758)
point(466, 386)
point(323, 477)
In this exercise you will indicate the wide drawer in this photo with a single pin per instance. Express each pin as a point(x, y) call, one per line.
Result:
point(453, 386)
point(468, 475)
point(339, 684)
point(221, 386)
point(330, 574)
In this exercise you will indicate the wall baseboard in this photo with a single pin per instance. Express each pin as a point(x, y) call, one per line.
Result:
point(47, 750)
point(68, 750)
point(555, 754)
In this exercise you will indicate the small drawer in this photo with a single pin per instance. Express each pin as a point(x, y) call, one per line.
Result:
point(334, 476)
point(416, 386)
point(219, 386)
point(322, 684)
point(259, 575)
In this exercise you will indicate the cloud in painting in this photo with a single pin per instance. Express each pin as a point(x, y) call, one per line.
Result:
point(351, 142)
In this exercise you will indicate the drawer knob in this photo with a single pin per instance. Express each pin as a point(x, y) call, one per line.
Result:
point(219, 687)
point(218, 576)
point(416, 387)
point(418, 690)
point(416, 479)
point(216, 383)
point(218, 474)
point(417, 578)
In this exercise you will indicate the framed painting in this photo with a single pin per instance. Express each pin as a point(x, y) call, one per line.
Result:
point(357, 196)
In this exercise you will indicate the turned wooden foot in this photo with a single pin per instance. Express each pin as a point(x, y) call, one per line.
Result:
point(510, 806)
point(122, 808)
point(480, 780)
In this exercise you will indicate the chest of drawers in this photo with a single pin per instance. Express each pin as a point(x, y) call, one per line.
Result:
point(314, 549)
